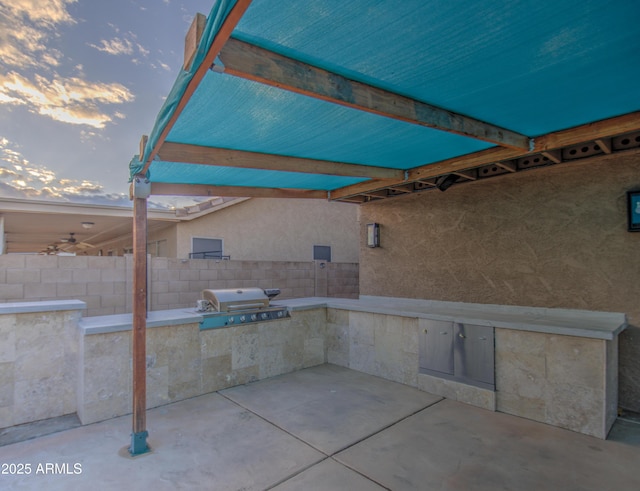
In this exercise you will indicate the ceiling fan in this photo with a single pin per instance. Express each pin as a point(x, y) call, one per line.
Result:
point(71, 241)
point(50, 250)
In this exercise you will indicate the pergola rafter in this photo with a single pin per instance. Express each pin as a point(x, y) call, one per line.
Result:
point(260, 65)
point(196, 154)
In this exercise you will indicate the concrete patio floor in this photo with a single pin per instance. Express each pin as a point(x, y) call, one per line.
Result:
point(324, 428)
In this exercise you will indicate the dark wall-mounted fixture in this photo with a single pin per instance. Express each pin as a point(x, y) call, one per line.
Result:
point(373, 235)
point(444, 182)
point(633, 211)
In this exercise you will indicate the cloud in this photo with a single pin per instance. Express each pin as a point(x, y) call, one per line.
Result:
point(69, 100)
point(20, 179)
point(115, 46)
point(26, 26)
point(126, 45)
point(7, 173)
point(50, 12)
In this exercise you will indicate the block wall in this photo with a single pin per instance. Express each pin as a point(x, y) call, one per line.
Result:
point(105, 283)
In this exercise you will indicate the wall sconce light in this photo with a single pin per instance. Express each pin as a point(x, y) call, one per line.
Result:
point(373, 235)
point(444, 182)
point(87, 225)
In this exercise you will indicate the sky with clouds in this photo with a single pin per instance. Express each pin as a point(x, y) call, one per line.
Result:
point(80, 82)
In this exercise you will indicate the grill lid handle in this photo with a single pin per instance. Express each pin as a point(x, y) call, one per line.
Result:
point(271, 292)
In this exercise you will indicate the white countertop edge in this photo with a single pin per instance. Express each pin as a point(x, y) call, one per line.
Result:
point(124, 322)
point(42, 306)
point(580, 323)
point(567, 322)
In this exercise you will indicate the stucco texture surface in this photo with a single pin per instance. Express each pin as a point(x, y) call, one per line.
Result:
point(550, 237)
point(270, 229)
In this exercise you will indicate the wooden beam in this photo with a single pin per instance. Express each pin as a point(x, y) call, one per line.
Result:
point(403, 189)
point(484, 157)
point(143, 143)
point(192, 39)
point(360, 189)
point(251, 62)
point(353, 199)
point(138, 334)
point(469, 175)
point(604, 144)
point(589, 132)
point(382, 193)
point(554, 156)
point(194, 154)
point(427, 182)
point(477, 159)
point(508, 165)
point(552, 141)
point(165, 189)
point(223, 34)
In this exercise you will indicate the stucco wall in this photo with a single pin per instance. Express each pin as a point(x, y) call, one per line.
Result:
point(160, 243)
point(553, 237)
point(277, 230)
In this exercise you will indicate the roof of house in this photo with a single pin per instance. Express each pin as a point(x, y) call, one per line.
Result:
point(367, 99)
point(34, 226)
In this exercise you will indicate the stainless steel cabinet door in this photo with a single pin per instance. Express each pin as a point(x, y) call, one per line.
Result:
point(474, 353)
point(436, 346)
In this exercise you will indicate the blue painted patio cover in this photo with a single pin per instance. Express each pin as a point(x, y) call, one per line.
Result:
point(533, 67)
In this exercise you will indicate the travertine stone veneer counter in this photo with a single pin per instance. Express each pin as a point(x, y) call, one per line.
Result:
point(38, 360)
point(184, 361)
point(557, 366)
point(568, 322)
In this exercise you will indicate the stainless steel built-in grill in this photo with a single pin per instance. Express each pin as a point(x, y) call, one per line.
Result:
point(227, 307)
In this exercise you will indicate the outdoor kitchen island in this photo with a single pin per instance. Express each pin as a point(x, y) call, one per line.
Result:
point(555, 366)
point(187, 356)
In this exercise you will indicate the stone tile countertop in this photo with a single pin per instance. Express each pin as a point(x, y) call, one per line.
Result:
point(41, 306)
point(568, 322)
point(123, 322)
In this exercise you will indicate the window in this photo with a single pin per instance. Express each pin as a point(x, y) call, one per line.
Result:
point(202, 248)
point(157, 248)
point(322, 253)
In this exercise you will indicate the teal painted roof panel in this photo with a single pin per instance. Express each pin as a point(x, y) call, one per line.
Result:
point(510, 63)
point(231, 112)
point(530, 66)
point(179, 173)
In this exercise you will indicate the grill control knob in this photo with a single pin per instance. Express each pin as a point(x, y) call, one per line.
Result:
point(254, 317)
point(264, 315)
point(231, 320)
point(243, 318)
point(280, 313)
